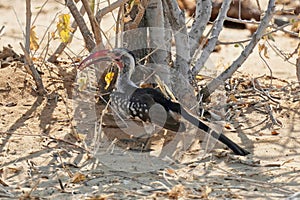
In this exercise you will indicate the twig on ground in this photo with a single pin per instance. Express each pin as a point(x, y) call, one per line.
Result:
point(273, 119)
point(262, 184)
point(257, 87)
point(1, 29)
point(48, 136)
point(27, 195)
point(166, 178)
point(298, 68)
point(162, 184)
point(7, 194)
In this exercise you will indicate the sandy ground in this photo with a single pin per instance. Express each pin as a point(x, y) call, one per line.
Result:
point(42, 157)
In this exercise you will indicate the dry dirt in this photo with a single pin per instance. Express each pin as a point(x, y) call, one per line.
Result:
point(42, 156)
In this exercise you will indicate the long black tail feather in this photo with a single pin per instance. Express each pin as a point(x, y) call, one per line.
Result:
point(219, 136)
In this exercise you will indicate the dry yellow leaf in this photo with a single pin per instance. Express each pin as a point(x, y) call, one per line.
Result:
point(205, 191)
point(15, 169)
point(170, 171)
point(266, 52)
point(101, 197)
point(34, 45)
point(296, 26)
point(176, 192)
point(64, 28)
point(54, 36)
point(261, 47)
point(78, 177)
point(274, 132)
point(108, 79)
point(199, 77)
point(227, 126)
point(232, 98)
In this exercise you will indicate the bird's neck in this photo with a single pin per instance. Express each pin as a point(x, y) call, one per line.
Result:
point(125, 85)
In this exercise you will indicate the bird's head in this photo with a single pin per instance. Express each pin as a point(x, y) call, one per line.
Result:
point(124, 59)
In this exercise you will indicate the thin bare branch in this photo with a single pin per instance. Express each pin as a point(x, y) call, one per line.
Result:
point(95, 26)
point(298, 68)
point(39, 12)
point(213, 85)
point(87, 36)
point(40, 87)
point(109, 8)
point(218, 25)
point(45, 34)
point(155, 19)
point(241, 21)
point(275, 29)
point(203, 12)
point(177, 22)
point(28, 24)
point(1, 29)
point(36, 76)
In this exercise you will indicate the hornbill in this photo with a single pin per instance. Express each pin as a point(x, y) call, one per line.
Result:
point(134, 101)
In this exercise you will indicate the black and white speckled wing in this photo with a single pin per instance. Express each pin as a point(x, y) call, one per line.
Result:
point(120, 103)
point(142, 105)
